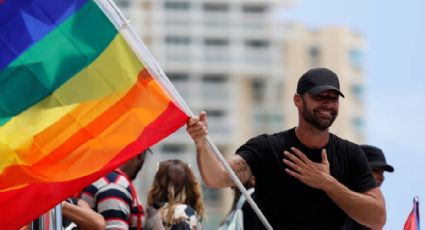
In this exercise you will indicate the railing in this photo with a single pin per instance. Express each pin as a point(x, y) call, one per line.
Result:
point(51, 220)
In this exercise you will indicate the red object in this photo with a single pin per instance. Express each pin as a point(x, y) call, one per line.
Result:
point(412, 222)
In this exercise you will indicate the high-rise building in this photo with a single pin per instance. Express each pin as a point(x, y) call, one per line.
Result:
point(232, 59)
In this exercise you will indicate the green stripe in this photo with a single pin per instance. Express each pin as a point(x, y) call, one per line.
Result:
point(64, 52)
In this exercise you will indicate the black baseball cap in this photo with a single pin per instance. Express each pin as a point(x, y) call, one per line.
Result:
point(376, 157)
point(318, 80)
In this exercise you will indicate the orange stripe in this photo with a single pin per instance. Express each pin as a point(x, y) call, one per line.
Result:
point(96, 143)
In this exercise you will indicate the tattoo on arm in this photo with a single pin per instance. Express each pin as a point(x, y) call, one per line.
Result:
point(241, 169)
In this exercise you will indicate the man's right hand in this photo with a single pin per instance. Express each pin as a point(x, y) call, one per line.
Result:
point(197, 127)
point(212, 171)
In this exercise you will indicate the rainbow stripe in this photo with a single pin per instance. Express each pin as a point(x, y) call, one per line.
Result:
point(75, 102)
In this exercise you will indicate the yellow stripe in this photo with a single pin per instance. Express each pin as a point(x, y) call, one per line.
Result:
point(111, 74)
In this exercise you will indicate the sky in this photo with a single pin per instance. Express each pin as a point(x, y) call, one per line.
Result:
point(395, 94)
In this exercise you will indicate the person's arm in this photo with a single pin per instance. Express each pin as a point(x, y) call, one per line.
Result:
point(83, 216)
point(212, 171)
point(355, 204)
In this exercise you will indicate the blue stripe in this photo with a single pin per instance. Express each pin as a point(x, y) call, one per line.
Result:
point(418, 224)
point(91, 189)
point(111, 177)
point(113, 193)
point(24, 22)
point(114, 214)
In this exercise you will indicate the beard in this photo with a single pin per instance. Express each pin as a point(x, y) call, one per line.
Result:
point(314, 117)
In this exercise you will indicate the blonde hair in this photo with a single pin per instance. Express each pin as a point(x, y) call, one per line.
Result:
point(175, 184)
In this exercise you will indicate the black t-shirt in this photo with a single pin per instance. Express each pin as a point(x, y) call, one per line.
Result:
point(288, 203)
point(353, 225)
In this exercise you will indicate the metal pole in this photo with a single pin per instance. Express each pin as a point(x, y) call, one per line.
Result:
point(143, 53)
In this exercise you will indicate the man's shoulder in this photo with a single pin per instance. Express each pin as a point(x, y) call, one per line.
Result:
point(265, 141)
point(112, 180)
point(342, 142)
point(276, 135)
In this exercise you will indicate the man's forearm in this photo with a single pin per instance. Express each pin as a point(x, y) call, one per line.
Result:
point(212, 171)
point(84, 218)
point(366, 208)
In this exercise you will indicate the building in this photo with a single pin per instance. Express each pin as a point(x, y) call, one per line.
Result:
point(235, 61)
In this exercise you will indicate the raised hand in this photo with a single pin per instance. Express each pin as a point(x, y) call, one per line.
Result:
point(197, 127)
point(313, 174)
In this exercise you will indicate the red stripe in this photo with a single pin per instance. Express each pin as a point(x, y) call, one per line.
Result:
point(116, 219)
point(410, 222)
point(23, 205)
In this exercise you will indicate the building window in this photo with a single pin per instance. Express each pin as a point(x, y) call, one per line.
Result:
point(216, 42)
point(210, 195)
point(177, 40)
point(356, 58)
point(254, 9)
point(258, 87)
point(215, 113)
point(257, 44)
point(214, 78)
point(177, 5)
point(123, 3)
point(215, 7)
point(358, 91)
point(314, 55)
point(173, 148)
point(178, 77)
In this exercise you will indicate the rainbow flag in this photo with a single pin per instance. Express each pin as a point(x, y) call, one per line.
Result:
point(412, 222)
point(75, 103)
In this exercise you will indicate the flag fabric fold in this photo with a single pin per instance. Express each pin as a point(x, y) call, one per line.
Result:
point(75, 103)
point(412, 222)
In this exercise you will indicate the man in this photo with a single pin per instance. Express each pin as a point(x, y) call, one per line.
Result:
point(115, 198)
point(378, 164)
point(306, 177)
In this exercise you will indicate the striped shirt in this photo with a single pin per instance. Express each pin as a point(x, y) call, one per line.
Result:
point(114, 197)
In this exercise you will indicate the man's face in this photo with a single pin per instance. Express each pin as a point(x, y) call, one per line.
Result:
point(137, 164)
point(320, 110)
point(378, 174)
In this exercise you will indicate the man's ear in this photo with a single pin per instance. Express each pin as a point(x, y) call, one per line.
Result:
point(297, 100)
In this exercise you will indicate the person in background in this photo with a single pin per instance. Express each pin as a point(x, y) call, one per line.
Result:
point(305, 177)
point(378, 164)
point(175, 198)
point(115, 198)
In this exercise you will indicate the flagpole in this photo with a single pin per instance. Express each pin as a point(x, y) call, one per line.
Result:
point(137, 45)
